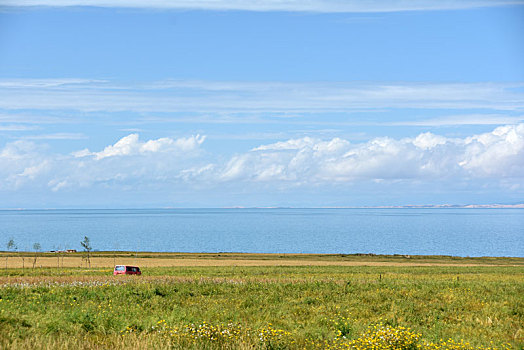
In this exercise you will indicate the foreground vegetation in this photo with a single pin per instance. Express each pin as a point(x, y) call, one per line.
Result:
point(264, 307)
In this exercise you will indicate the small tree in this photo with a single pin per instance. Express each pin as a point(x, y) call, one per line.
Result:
point(87, 248)
point(36, 248)
point(11, 246)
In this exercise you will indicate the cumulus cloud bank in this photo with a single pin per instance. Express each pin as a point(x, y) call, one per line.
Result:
point(128, 161)
point(495, 156)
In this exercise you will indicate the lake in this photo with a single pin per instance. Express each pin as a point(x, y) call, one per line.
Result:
point(460, 232)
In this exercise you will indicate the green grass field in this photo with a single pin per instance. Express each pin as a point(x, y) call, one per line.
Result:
point(265, 307)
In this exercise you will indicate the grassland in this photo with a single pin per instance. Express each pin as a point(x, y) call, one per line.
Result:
point(245, 301)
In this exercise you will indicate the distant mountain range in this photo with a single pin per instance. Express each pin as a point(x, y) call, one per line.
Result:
point(414, 206)
point(514, 206)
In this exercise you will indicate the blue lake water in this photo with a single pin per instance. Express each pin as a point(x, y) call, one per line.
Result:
point(461, 232)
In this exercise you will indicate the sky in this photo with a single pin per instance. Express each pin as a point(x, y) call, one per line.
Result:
point(138, 104)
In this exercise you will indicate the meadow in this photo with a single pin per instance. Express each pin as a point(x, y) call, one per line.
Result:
point(250, 301)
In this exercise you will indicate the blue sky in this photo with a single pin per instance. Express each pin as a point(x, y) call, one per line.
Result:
point(260, 103)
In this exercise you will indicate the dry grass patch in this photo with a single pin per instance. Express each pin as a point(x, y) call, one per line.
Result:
point(151, 260)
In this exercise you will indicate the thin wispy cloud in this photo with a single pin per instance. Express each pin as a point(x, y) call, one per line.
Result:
point(461, 119)
point(335, 6)
point(23, 119)
point(212, 96)
point(47, 83)
point(56, 136)
point(16, 127)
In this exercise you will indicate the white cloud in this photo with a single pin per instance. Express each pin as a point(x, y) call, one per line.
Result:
point(275, 5)
point(288, 145)
point(124, 146)
point(131, 145)
point(21, 162)
point(499, 153)
point(237, 167)
point(33, 171)
point(57, 185)
point(18, 150)
point(196, 172)
point(428, 140)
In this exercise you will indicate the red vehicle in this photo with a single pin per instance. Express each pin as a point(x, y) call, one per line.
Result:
point(126, 270)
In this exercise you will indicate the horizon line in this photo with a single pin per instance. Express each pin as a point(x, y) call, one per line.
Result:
point(313, 7)
point(406, 206)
